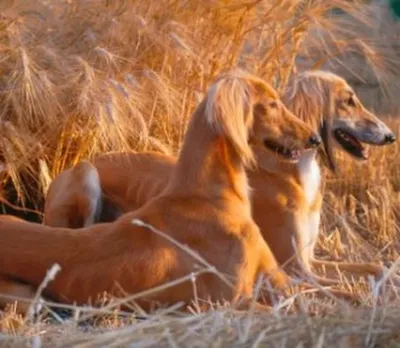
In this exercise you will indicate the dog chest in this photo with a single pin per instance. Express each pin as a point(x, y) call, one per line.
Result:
point(310, 176)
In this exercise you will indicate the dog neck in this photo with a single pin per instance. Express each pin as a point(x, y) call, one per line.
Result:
point(304, 174)
point(208, 165)
point(309, 175)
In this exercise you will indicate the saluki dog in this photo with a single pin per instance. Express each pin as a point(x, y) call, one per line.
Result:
point(204, 205)
point(327, 103)
point(287, 195)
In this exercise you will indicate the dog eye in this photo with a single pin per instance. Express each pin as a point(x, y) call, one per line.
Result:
point(273, 104)
point(259, 109)
point(350, 102)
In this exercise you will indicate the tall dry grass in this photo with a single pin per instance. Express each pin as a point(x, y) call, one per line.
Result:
point(81, 77)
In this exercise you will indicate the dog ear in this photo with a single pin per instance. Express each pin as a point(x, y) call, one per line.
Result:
point(229, 112)
point(326, 129)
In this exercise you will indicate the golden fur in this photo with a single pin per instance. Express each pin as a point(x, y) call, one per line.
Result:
point(66, 205)
point(204, 205)
point(326, 102)
point(286, 203)
point(15, 289)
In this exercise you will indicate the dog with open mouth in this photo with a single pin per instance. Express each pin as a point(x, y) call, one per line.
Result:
point(349, 123)
point(204, 207)
point(286, 188)
point(327, 102)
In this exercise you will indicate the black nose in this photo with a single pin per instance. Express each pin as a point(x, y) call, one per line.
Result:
point(390, 138)
point(314, 141)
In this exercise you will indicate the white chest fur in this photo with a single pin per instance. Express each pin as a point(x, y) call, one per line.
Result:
point(310, 175)
point(310, 178)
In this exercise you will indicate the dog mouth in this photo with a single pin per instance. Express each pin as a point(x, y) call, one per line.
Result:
point(287, 153)
point(351, 144)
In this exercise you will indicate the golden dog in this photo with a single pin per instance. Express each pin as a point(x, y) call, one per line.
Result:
point(287, 197)
point(204, 205)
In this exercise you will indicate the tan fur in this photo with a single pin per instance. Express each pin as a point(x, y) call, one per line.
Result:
point(281, 207)
point(322, 99)
point(204, 205)
point(16, 289)
point(19, 291)
point(319, 97)
point(67, 203)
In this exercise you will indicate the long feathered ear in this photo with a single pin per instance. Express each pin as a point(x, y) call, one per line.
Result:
point(312, 100)
point(326, 127)
point(229, 112)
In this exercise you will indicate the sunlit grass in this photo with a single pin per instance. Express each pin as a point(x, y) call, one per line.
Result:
point(82, 77)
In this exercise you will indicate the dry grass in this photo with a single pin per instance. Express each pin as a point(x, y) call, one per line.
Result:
point(81, 77)
point(330, 324)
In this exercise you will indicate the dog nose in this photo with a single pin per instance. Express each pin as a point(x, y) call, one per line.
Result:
point(390, 138)
point(314, 141)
